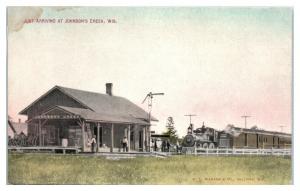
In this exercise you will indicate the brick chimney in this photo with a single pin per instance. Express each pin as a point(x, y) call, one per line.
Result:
point(109, 88)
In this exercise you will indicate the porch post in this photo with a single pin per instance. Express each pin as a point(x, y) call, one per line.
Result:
point(98, 128)
point(149, 134)
point(112, 138)
point(144, 139)
point(148, 138)
point(135, 138)
point(40, 133)
point(125, 132)
point(128, 137)
point(83, 136)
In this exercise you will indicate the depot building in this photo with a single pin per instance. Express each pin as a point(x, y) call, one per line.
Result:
point(74, 116)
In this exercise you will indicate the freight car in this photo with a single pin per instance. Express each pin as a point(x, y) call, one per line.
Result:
point(235, 137)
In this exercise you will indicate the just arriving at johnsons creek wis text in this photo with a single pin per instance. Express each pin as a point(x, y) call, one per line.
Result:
point(70, 21)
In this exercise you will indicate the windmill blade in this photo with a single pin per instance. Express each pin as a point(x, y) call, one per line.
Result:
point(158, 94)
point(145, 98)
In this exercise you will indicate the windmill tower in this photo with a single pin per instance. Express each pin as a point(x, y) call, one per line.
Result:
point(149, 97)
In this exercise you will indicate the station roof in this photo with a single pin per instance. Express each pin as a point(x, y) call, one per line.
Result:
point(235, 131)
point(101, 107)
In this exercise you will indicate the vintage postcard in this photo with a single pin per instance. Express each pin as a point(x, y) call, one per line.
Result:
point(150, 95)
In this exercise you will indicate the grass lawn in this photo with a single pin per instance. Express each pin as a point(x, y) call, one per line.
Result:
point(71, 169)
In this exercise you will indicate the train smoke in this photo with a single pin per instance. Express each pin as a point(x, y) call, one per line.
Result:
point(232, 130)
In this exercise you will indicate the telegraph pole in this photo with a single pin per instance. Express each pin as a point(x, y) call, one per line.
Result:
point(190, 115)
point(245, 116)
point(281, 127)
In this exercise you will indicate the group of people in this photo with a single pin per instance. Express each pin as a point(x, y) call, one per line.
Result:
point(93, 143)
point(165, 146)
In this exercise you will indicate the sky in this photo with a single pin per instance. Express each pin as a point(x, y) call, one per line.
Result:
point(218, 63)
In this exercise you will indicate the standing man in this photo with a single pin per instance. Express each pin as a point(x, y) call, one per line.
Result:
point(93, 144)
point(155, 145)
point(168, 146)
point(163, 146)
point(125, 143)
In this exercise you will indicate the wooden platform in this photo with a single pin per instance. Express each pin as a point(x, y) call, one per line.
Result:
point(77, 151)
point(46, 149)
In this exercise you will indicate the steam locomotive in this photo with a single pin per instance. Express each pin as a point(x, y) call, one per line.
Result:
point(203, 137)
point(234, 137)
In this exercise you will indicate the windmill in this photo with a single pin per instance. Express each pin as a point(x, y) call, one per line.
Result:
point(149, 97)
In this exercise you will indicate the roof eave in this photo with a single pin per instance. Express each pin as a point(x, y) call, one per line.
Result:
point(24, 111)
point(115, 122)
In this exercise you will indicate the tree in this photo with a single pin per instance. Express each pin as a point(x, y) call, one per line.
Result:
point(171, 131)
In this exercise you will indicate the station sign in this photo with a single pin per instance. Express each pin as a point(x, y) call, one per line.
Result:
point(57, 117)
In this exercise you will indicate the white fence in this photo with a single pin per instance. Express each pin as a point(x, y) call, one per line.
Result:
point(235, 151)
